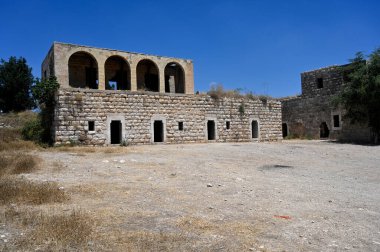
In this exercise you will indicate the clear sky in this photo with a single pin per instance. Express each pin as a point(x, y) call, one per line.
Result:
point(261, 46)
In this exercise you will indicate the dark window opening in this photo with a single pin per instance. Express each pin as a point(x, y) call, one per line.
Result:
point(320, 83)
point(147, 76)
point(91, 126)
point(324, 131)
point(228, 125)
point(117, 74)
point(45, 74)
point(158, 131)
point(210, 130)
point(336, 121)
point(174, 78)
point(255, 129)
point(180, 126)
point(115, 132)
point(284, 130)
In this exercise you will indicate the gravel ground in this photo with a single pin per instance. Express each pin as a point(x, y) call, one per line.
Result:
point(289, 196)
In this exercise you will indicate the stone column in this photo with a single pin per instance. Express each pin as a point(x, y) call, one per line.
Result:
point(162, 79)
point(101, 75)
point(133, 76)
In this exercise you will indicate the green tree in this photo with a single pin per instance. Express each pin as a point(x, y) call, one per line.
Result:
point(361, 97)
point(16, 80)
point(44, 93)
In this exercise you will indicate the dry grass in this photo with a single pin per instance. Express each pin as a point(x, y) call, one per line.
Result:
point(16, 190)
point(16, 145)
point(16, 163)
point(86, 149)
point(50, 230)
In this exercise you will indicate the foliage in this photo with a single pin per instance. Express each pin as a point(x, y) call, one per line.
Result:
point(217, 91)
point(242, 109)
point(44, 93)
point(361, 97)
point(16, 80)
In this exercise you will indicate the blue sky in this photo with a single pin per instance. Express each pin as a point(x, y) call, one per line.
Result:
point(261, 46)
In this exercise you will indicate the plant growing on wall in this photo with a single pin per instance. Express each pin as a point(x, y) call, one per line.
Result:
point(361, 97)
point(44, 94)
point(242, 109)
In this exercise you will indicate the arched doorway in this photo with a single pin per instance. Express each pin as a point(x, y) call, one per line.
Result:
point(147, 76)
point(83, 71)
point(174, 78)
point(117, 73)
point(324, 131)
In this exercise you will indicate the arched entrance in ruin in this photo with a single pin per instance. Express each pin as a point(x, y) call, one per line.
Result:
point(117, 74)
point(147, 76)
point(174, 78)
point(83, 71)
point(324, 131)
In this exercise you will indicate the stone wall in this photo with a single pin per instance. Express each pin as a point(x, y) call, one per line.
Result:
point(137, 111)
point(305, 114)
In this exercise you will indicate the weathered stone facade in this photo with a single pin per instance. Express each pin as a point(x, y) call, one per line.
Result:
point(137, 112)
point(114, 97)
point(313, 114)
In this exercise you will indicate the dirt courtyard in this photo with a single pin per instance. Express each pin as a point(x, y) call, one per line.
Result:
point(289, 196)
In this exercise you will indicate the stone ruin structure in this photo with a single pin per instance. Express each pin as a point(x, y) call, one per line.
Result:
point(313, 113)
point(116, 97)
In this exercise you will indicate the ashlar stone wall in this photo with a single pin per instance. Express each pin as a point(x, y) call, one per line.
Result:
point(137, 111)
point(305, 114)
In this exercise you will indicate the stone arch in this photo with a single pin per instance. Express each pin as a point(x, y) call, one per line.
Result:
point(174, 78)
point(147, 73)
point(117, 73)
point(83, 70)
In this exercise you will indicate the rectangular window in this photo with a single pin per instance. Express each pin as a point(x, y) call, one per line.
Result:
point(336, 121)
point(180, 126)
point(91, 126)
point(228, 125)
point(320, 83)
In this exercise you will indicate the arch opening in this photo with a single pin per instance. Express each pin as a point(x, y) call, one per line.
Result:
point(117, 74)
point(174, 78)
point(83, 71)
point(147, 76)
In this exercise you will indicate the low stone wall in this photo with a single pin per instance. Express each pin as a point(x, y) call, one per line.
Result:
point(137, 111)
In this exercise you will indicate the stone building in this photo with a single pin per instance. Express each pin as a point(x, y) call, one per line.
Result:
point(115, 97)
point(313, 113)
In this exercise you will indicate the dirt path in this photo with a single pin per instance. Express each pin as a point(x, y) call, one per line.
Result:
point(292, 196)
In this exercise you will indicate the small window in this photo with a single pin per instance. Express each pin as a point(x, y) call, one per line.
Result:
point(91, 126)
point(336, 121)
point(228, 125)
point(45, 74)
point(320, 83)
point(180, 126)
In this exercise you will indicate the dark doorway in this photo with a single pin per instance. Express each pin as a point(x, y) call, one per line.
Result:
point(115, 132)
point(255, 129)
point(210, 130)
point(158, 128)
point(324, 130)
point(284, 130)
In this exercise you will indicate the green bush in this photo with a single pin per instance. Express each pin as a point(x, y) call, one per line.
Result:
point(33, 130)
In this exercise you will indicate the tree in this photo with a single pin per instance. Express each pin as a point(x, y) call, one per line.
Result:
point(361, 97)
point(16, 80)
point(44, 93)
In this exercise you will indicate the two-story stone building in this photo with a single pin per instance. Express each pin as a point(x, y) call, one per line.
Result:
point(113, 97)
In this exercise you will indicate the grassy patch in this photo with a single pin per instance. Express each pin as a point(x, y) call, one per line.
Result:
point(51, 230)
point(16, 163)
point(15, 190)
